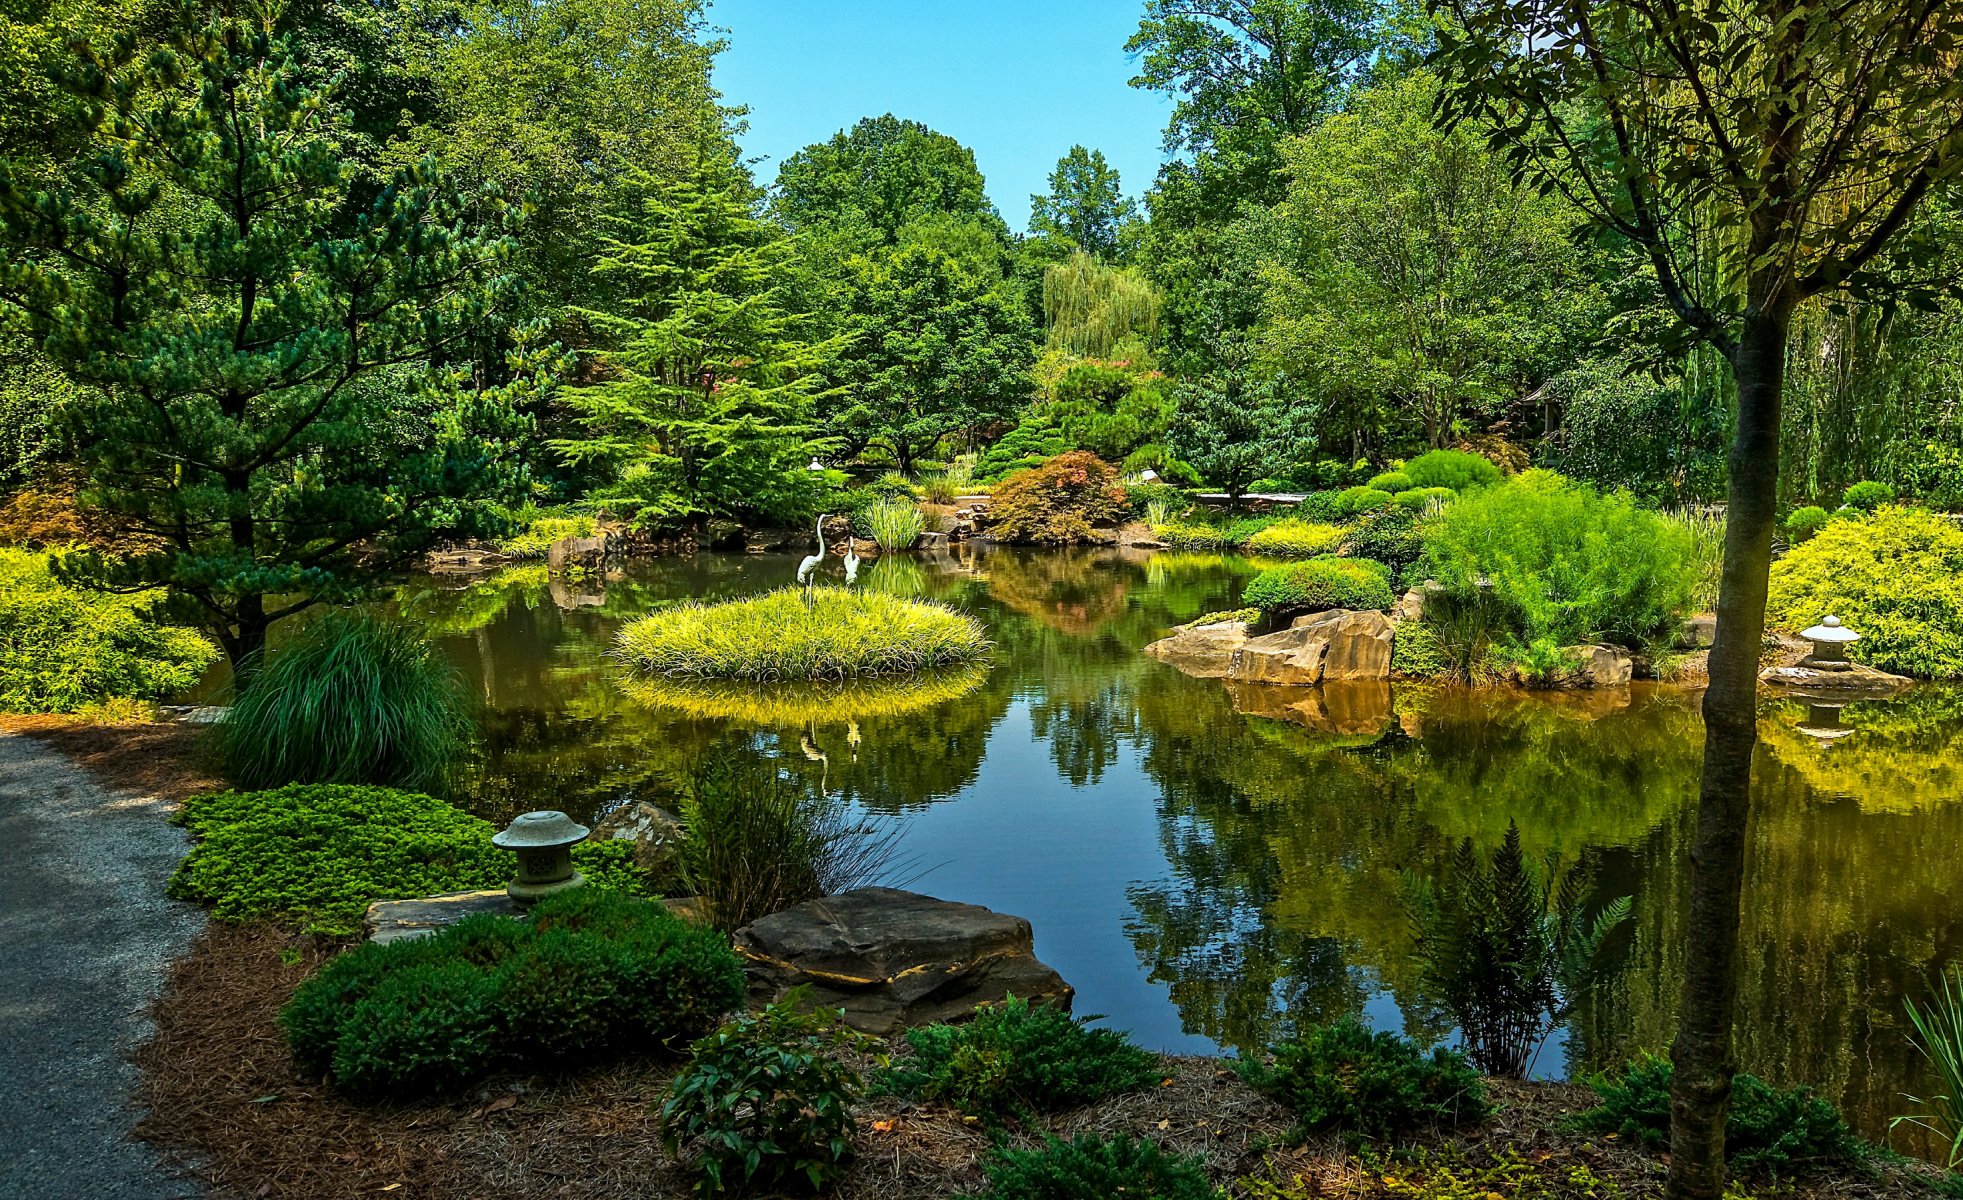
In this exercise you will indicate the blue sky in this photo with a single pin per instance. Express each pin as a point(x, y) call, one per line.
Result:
point(1018, 81)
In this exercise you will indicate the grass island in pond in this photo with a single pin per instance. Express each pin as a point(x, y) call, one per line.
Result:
point(825, 633)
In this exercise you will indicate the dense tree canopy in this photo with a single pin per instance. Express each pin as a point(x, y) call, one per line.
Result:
point(1086, 205)
point(879, 175)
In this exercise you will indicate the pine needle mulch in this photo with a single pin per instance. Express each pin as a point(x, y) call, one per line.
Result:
point(160, 758)
point(225, 1105)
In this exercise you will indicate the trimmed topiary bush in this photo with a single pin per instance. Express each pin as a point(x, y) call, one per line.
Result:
point(1803, 523)
point(591, 975)
point(824, 633)
point(1867, 495)
point(1392, 482)
point(354, 699)
point(1895, 578)
point(317, 855)
point(1321, 583)
point(1354, 501)
point(1091, 1167)
point(1057, 504)
point(1015, 1058)
point(1766, 1128)
point(1291, 538)
point(1458, 470)
point(1371, 1084)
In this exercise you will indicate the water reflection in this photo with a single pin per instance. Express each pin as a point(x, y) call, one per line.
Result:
point(1212, 864)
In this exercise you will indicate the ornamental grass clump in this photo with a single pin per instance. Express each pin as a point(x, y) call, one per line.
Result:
point(1895, 578)
point(1095, 1167)
point(1016, 1058)
point(354, 699)
point(823, 633)
point(1291, 538)
point(895, 524)
point(1765, 1128)
point(1938, 1026)
point(1319, 584)
point(590, 976)
point(1369, 1084)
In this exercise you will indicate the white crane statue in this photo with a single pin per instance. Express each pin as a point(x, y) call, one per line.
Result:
point(809, 567)
point(851, 559)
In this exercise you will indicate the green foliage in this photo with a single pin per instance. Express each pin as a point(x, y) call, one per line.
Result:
point(1157, 503)
point(895, 524)
point(1354, 501)
point(1868, 495)
point(1321, 583)
point(1939, 1036)
point(1291, 538)
point(1392, 482)
point(1232, 427)
point(1706, 561)
point(64, 647)
point(1098, 311)
point(1508, 950)
point(1109, 409)
point(765, 1102)
point(317, 855)
point(1417, 652)
point(1895, 578)
point(1091, 1167)
point(1058, 503)
point(1766, 1128)
point(1419, 499)
point(354, 699)
point(1033, 440)
point(822, 633)
point(538, 528)
point(1393, 536)
point(1370, 1084)
point(592, 975)
point(1086, 204)
point(1459, 470)
point(1541, 559)
point(1016, 1058)
point(1934, 473)
point(878, 176)
point(1803, 523)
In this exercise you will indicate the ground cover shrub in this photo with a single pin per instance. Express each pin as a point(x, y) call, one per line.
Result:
point(1803, 523)
point(1867, 495)
point(1016, 1058)
point(1391, 481)
point(1938, 1026)
point(1416, 651)
point(590, 975)
point(1420, 498)
point(1766, 1128)
point(1058, 503)
point(317, 855)
point(1459, 470)
point(1895, 578)
point(823, 633)
point(540, 527)
point(765, 1102)
point(1245, 616)
point(1092, 1167)
point(1372, 1084)
point(1292, 538)
point(1320, 507)
point(1357, 500)
point(353, 699)
point(1321, 583)
point(64, 648)
point(1194, 535)
point(895, 524)
point(1539, 561)
point(1392, 536)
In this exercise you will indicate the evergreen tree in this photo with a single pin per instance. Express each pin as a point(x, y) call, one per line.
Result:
point(257, 335)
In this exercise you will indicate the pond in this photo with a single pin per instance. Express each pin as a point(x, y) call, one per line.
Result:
point(1210, 864)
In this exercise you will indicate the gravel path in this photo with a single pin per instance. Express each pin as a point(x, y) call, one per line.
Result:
point(85, 933)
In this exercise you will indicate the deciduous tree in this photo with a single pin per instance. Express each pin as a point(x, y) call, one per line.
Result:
point(1086, 205)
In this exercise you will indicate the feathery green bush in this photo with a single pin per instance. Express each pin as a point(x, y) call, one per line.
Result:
point(1091, 1167)
point(1292, 538)
point(1357, 500)
point(1391, 481)
point(1458, 470)
point(825, 633)
point(1895, 578)
point(354, 699)
point(1015, 1058)
point(1321, 583)
point(1766, 1128)
point(1372, 1084)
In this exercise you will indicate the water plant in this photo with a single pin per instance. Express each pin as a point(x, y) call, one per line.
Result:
point(354, 699)
point(1016, 1057)
point(1096, 1167)
point(1939, 1036)
point(895, 524)
point(1320, 583)
point(1371, 1084)
point(795, 705)
point(1895, 577)
point(826, 633)
point(1765, 1128)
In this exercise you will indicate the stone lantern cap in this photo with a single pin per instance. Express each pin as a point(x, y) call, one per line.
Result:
point(540, 830)
point(1830, 630)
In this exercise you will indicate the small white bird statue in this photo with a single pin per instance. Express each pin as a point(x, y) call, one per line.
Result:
point(851, 559)
point(812, 562)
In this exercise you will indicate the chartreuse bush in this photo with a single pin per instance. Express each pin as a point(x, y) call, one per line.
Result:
point(764, 1101)
point(1371, 1084)
point(1016, 1057)
point(1766, 1128)
point(1293, 538)
point(317, 855)
point(65, 648)
point(1418, 499)
point(1895, 578)
point(827, 633)
point(1357, 500)
point(354, 699)
point(590, 975)
point(1458, 470)
point(1321, 583)
point(1092, 1167)
point(1392, 482)
point(540, 527)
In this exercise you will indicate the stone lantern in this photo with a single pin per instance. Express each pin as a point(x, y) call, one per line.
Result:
point(544, 844)
point(1830, 641)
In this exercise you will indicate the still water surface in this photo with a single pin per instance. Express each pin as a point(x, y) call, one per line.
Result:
point(1209, 865)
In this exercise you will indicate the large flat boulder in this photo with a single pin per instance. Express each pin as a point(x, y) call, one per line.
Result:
point(1337, 646)
point(1839, 680)
point(892, 959)
point(1202, 651)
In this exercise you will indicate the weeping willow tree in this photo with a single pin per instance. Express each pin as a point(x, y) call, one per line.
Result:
point(1091, 309)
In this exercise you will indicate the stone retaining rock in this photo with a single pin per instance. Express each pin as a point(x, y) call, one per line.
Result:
point(1601, 666)
point(1335, 646)
point(1202, 651)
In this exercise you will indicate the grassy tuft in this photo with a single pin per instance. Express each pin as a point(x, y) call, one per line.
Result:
point(895, 524)
point(831, 633)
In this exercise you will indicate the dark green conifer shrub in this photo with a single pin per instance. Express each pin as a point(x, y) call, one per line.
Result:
point(1766, 1128)
point(1320, 583)
point(1392, 536)
point(1018, 1057)
point(1098, 1168)
point(1371, 1084)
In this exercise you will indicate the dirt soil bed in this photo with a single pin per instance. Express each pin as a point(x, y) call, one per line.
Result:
point(226, 1104)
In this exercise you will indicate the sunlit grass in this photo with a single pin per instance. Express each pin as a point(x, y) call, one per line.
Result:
point(828, 633)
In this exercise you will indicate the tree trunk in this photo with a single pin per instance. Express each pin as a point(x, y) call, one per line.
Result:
point(246, 647)
point(1702, 1053)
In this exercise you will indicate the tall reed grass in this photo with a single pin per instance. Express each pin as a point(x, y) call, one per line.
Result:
point(1939, 1035)
point(826, 633)
point(1706, 559)
point(895, 524)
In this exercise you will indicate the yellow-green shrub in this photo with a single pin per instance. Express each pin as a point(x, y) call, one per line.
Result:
point(1895, 578)
point(542, 527)
point(1295, 539)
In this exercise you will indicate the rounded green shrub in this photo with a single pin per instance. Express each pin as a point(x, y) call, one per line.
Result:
point(1057, 504)
point(1391, 481)
point(1392, 536)
point(1458, 470)
point(1016, 1057)
point(1354, 501)
point(1419, 497)
point(354, 699)
point(1292, 538)
point(1868, 495)
point(1321, 583)
point(1895, 578)
point(1373, 1084)
point(428, 1027)
point(826, 633)
point(1092, 1167)
point(1803, 523)
point(1765, 1128)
